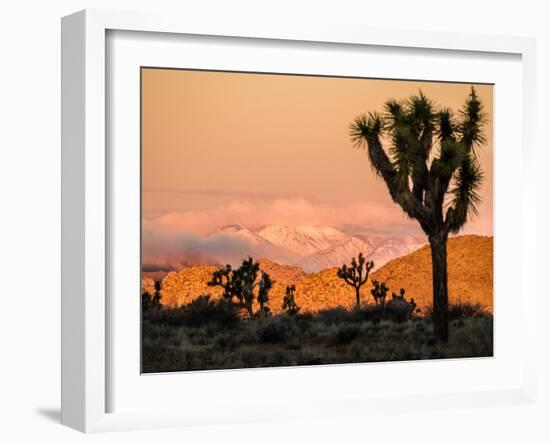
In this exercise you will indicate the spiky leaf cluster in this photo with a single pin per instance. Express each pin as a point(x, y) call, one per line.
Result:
point(379, 292)
point(427, 157)
point(356, 274)
point(289, 303)
point(238, 284)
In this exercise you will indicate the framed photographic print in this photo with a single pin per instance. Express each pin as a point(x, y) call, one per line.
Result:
point(268, 240)
point(296, 222)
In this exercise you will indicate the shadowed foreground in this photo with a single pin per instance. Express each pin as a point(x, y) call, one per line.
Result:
point(209, 336)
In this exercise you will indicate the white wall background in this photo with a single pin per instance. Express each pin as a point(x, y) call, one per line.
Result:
point(30, 213)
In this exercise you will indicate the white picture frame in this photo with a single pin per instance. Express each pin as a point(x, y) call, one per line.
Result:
point(86, 204)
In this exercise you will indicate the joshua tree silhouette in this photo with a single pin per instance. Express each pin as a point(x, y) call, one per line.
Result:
point(356, 275)
point(289, 303)
point(431, 171)
point(238, 284)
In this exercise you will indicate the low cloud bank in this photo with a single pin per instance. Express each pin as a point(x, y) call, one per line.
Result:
point(290, 212)
point(165, 251)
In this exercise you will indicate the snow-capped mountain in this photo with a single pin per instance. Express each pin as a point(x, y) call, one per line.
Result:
point(378, 249)
point(240, 232)
point(250, 243)
point(316, 248)
point(336, 255)
point(385, 249)
point(302, 240)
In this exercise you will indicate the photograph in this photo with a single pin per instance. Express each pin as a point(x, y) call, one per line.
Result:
point(295, 220)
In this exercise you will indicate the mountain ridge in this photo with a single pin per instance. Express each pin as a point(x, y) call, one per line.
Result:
point(314, 248)
point(318, 247)
point(470, 263)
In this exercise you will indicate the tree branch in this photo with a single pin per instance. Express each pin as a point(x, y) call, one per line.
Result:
point(401, 195)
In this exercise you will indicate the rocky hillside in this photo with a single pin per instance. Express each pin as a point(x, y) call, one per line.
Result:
point(470, 271)
point(470, 262)
point(179, 288)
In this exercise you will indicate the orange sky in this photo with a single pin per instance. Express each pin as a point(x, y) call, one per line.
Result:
point(255, 149)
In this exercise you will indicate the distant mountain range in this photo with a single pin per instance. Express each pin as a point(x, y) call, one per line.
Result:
point(308, 247)
point(302, 240)
point(469, 258)
point(316, 248)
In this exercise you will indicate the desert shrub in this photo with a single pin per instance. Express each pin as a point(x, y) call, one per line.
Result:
point(164, 356)
point(304, 317)
point(356, 351)
point(278, 341)
point(310, 357)
point(201, 311)
point(198, 336)
point(423, 331)
point(293, 345)
point(251, 358)
point(471, 337)
point(224, 342)
point(159, 334)
point(391, 311)
point(247, 335)
point(166, 316)
point(370, 312)
point(335, 315)
point(400, 310)
point(345, 334)
point(274, 331)
point(204, 311)
point(463, 310)
point(303, 321)
point(278, 359)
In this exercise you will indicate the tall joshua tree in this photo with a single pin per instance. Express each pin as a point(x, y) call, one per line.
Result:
point(356, 275)
point(238, 284)
point(263, 294)
point(431, 170)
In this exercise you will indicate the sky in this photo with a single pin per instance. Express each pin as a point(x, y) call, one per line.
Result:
point(221, 148)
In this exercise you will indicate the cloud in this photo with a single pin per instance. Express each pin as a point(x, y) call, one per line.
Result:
point(165, 250)
point(364, 216)
point(176, 239)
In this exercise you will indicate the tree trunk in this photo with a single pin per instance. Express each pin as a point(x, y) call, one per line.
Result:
point(357, 298)
point(249, 310)
point(438, 244)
